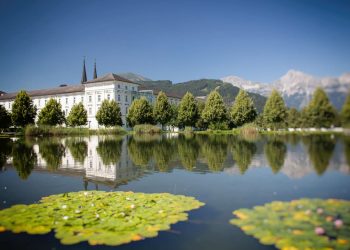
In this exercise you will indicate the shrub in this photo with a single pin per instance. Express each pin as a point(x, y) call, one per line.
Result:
point(146, 129)
point(249, 132)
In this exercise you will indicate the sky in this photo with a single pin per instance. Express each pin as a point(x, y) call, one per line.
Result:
point(42, 43)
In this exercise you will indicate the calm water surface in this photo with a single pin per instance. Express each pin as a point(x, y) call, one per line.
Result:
point(225, 172)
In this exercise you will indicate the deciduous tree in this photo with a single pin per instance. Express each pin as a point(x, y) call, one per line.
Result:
point(214, 112)
point(23, 110)
point(51, 114)
point(275, 111)
point(77, 116)
point(5, 118)
point(140, 112)
point(162, 109)
point(243, 110)
point(109, 114)
point(188, 111)
point(345, 112)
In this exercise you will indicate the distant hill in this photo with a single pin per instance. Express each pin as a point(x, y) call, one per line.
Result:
point(202, 87)
point(134, 77)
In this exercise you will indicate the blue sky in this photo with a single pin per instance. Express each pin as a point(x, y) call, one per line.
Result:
point(43, 42)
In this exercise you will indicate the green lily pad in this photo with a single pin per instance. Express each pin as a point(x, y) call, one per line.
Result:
point(109, 218)
point(299, 224)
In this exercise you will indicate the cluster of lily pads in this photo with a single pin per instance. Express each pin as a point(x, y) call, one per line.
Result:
point(110, 218)
point(299, 224)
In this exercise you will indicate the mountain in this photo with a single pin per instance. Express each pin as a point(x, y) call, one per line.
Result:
point(297, 87)
point(134, 77)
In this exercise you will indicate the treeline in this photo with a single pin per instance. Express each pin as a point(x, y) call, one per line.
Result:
point(211, 114)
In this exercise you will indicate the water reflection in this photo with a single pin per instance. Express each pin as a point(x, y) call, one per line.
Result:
point(116, 160)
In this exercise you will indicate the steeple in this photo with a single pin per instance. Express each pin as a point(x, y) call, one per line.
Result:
point(83, 77)
point(95, 71)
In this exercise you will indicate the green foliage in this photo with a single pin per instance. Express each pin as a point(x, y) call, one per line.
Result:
point(109, 114)
point(275, 153)
point(173, 117)
point(243, 152)
point(249, 132)
point(299, 224)
point(201, 123)
point(51, 114)
point(188, 149)
point(109, 150)
point(77, 116)
point(5, 118)
point(140, 151)
point(214, 148)
point(275, 111)
point(44, 130)
point(162, 109)
point(345, 112)
point(78, 148)
point(319, 112)
point(24, 159)
point(146, 129)
point(214, 113)
point(294, 118)
point(23, 110)
point(188, 111)
point(163, 152)
point(320, 149)
point(243, 110)
point(108, 218)
point(140, 112)
point(52, 152)
point(5, 150)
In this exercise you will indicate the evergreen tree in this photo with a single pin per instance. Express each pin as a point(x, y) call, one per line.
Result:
point(51, 114)
point(23, 110)
point(243, 110)
point(214, 112)
point(275, 152)
point(173, 117)
point(188, 111)
point(5, 118)
point(162, 109)
point(294, 118)
point(320, 112)
point(77, 116)
point(275, 111)
point(345, 112)
point(201, 124)
point(243, 152)
point(109, 114)
point(140, 112)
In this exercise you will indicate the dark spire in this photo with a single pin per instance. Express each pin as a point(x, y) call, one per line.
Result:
point(95, 71)
point(83, 77)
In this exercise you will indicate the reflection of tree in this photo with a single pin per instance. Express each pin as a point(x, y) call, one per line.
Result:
point(214, 148)
point(347, 150)
point(5, 150)
point(78, 148)
point(52, 152)
point(243, 152)
point(163, 152)
point(140, 151)
point(24, 159)
point(320, 149)
point(293, 139)
point(275, 152)
point(109, 150)
point(188, 152)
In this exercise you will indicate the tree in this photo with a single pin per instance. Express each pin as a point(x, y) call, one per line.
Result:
point(77, 116)
point(243, 152)
point(140, 112)
point(201, 124)
point(5, 118)
point(78, 149)
point(162, 109)
point(109, 114)
point(173, 118)
point(52, 151)
point(345, 112)
point(110, 150)
point(275, 152)
point(188, 111)
point(294, 118)
point(214, 112)
point(275, 111)
point(23, 159)
point(51, 114)
point(320, 112)
point(23, 110)
point(188, 152)
point(243, 110)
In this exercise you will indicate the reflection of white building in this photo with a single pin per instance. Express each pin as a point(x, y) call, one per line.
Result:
point(91, 93)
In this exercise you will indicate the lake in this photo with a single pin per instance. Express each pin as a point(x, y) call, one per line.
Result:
point(224, 171)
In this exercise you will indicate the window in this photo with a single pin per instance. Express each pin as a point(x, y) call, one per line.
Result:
point(90, 98)
point(38, 105)
point(73, 99)
point(126, 87)
point(66, 111)
point(108, 96)
point(59, 100)
point(132, 88)
point(9, 105)
point(90, 111)
point(126, 110)
point(66, 100)
point(82, 99)
point(133, 97)
point(99, 98)
point(118, 86)
point(118, 98)
point(45, 101)
point(126, 98)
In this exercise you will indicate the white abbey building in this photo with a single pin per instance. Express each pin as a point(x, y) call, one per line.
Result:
point(91, 93)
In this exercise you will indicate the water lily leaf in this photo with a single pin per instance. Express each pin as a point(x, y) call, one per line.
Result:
point(98, 217)
point(299, 224)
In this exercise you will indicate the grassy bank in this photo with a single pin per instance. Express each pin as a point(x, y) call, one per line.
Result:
point(67, 131)
point(146, 129)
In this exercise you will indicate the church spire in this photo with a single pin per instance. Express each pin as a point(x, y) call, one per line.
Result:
point(83, 77)
point(95, 71)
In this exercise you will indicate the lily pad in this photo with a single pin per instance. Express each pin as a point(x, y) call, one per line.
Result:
point(299, 224)
point(109, 218)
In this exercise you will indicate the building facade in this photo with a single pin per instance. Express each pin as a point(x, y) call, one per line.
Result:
point(91, 94)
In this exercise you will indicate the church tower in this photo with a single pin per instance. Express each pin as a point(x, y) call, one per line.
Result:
point(95, 71)
point(83, 77)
